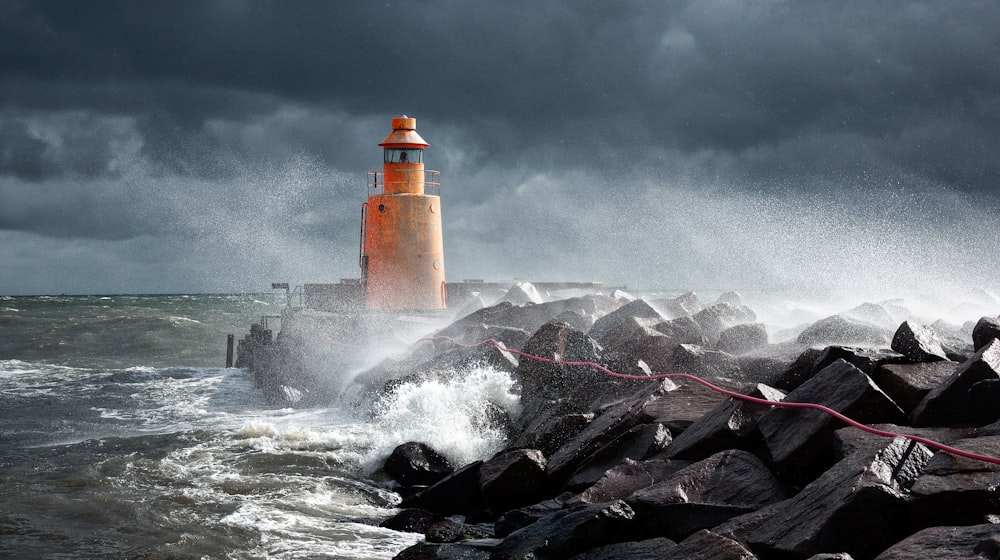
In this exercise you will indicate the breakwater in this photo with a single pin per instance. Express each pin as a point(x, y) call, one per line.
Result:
point(599, 466)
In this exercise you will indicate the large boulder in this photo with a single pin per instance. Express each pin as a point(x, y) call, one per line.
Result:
point(637, 309)
point(743, 338)
point(730, 425)
point(609, 425)
point(705, 494)
point(918, 343)
point(858, 507)
point(908, 384)
point(514, 479)
point(953, 403)
point(954, 490)
point(625, 479)
point(638, 443)
point(975, 542)
point(684, 305)
point(986, 330)
point(567, 532)
point(838, 329)
point(799, 439)
point(684, 401)
point(547, 379)
point(457, 493)
point(416, 464)
point(721, 316)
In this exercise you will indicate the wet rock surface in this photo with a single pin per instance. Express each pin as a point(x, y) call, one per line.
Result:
point(603, 467)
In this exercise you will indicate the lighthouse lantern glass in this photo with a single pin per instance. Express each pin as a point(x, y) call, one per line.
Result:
point(404, 155)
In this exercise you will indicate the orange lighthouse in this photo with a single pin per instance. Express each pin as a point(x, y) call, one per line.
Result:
point(402, 251)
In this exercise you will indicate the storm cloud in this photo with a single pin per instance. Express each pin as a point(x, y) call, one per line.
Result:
point(206, 146)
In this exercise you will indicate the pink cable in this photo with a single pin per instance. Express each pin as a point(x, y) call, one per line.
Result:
point(733, 394)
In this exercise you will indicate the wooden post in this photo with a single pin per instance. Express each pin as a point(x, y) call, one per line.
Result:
point(229, 351)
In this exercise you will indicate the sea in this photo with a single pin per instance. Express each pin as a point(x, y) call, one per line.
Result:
point(123, 435)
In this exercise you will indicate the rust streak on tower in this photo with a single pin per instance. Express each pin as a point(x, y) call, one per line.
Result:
point(402, 251)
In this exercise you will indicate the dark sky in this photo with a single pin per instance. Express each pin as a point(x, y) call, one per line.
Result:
point(209, 146)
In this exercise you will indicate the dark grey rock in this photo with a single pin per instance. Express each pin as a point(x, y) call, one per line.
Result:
point(838, 329)
point(708, 545)
point(685, 402)
point(415, 463)
point(514, 479)
point(951, 403)
point(908, 384)
point(551, 429)
point(705, 494)
point(858, 507)
point(703, 362)
point(986, 330)
point(638, 443)
point(520, 518)
point(479, 549)
point(411, 520)
point(568, 532)
point(458, 493)
point(799, 439)
point(684, 305)
point(608, 426)
point(955, 490)
point(630, 476)
point(740, 339)
point(730, 425)
point(449, 531)
point(650, 549)
point(918, 343)
point(721, 316)
point(977, 542)
point(624, 315)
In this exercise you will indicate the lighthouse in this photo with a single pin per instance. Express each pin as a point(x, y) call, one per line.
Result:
point(402, 251)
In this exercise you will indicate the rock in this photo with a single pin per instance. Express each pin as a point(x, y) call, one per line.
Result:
point(566, 533)
point(630, 476)
point(986, 330)
point(650, 549)
point(637, 309)
point(458, 493)
point(730, 425)
point(858, 507)
point(950, 404)
point(479, 549)
point(551, 429)
point(617, 337)
point(721, 316)
point(522, 517)
point(908, 384)
point(955, 490)
point(917, 343)
point(838, 329)
point(523, 292)
point(739, 339)
point(703, 362)
point(708, 545)
point(416, 464)
point(798, 371)
point(411, 520)
point(448, 531)
point(609, 425)
point(799, 439)
point(685, 402)
point(684, 305)
point(514, 479)
point(975, 542)
point(543, 383)
point(638, 443)
point(705, 494)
